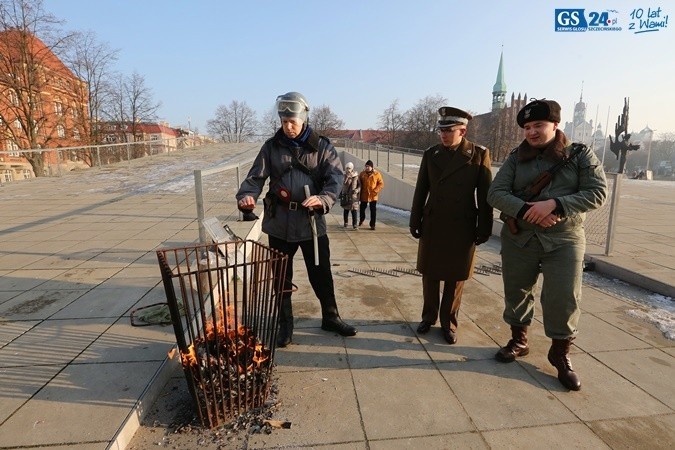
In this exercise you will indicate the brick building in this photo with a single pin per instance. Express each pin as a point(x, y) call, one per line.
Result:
point(43, 105)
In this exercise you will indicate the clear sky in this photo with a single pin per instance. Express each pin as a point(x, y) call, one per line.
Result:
point(357, 56)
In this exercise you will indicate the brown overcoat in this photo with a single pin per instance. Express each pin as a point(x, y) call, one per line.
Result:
point(450, 209)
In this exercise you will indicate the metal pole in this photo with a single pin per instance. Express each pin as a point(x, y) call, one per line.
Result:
point(199, 197)
point(604, 147)
point(402, 166)
point(98, 156)
point(239, 184)
point(388, 159)
point(613, 213)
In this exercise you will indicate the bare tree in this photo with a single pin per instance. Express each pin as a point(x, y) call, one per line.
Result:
point(391, 120)
point(30, 39)
point(270, 122)
point(131, 103)
point(323, 120)
point(421, 120)
point(233, 123)
point(91, 62)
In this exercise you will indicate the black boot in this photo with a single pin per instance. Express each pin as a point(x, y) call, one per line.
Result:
point(558, 356)
point(285, 335)
point(335, 323)
point(516, 347)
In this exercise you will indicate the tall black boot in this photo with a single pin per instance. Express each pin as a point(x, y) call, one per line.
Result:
point(516, 347)
point(285, 335)
point(331, 318)
point(558, 356)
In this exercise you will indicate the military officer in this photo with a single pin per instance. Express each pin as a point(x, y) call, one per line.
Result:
point(549, 233)
point(450, 216)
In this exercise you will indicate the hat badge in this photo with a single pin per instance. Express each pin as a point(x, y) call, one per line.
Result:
point(527, 113)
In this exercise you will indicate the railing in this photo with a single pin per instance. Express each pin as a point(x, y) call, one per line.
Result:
point(64, 159)
point(385, 156)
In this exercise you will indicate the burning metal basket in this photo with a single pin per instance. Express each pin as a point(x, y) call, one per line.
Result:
point(224, 303)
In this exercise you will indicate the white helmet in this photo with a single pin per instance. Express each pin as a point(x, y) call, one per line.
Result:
point(293, 104)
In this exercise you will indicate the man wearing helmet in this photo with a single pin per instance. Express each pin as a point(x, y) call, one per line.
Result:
point(294, 157)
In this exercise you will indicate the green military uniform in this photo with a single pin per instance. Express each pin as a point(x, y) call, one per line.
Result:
point(557, 251)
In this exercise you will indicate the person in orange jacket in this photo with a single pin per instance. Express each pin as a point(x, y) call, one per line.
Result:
point(371, 185)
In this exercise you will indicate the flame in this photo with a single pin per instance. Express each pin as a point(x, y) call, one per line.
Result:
point(236, 345)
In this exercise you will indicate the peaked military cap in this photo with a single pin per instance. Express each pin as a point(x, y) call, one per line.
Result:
point(543, 109)
point(449, 116)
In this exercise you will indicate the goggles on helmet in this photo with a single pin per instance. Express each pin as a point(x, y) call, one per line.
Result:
point(291, 106)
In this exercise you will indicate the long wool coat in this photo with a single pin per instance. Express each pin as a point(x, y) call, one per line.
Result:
point(450, 209)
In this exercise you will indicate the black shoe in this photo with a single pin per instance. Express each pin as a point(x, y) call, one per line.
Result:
point(424, 327)
point(450, 336)
point(338, 325)
point(360, 222)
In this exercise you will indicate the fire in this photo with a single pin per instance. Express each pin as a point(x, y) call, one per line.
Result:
point(238, 346)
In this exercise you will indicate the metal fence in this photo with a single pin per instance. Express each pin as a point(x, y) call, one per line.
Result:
point(64, 159)
point(397, 161)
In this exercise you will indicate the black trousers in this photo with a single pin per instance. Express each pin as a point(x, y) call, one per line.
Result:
point(346, 216)
point(373, 212)
point(449, 302)
point(320, 277)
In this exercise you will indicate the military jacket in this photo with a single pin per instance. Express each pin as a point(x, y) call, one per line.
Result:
point(450, 209)
point(280, 162)
point(580, 186)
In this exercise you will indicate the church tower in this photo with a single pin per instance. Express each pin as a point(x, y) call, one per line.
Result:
point(580, 109)
point(499, 89)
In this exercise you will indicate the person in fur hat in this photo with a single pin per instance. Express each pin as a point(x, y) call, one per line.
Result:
point(549, 233)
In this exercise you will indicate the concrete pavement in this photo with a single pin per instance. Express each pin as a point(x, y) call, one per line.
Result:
point(77, 256)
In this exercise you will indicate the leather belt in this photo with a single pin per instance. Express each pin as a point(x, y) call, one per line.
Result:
point(291, 206)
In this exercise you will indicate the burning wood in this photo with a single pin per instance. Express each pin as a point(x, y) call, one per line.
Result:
point(230, 368)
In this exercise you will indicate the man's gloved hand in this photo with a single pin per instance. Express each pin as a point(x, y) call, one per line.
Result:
point(248, 215)
point(481, 239)
point(416, 233)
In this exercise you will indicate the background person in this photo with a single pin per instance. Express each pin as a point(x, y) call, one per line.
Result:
point(294, 157)
point(350, 195)
point(371, 185)
point(550, 234)
point(450, 216)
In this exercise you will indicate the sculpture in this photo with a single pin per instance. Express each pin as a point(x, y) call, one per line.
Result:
point(621, 145)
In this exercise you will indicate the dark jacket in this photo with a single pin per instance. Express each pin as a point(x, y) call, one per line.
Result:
point(450, 209)
point(275, 161)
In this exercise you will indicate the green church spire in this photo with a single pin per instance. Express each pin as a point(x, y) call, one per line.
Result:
point(499, 89)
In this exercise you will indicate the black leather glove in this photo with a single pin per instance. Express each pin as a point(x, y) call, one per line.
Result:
point(416, 233)
point(481, 239)
point(248, 216)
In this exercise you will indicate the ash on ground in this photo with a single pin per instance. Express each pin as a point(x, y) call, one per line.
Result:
point(173, 423)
